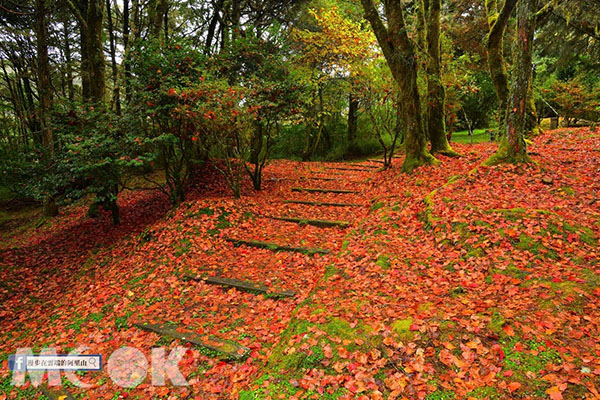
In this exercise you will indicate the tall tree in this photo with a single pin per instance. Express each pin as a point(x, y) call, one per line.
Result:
point(116, 101)
point(436, 119)
point(44, 93)
point(399, 52)
point(126, 64)
point(157, 12)
point(513, 148)
point(90, 14)
point(498, 17)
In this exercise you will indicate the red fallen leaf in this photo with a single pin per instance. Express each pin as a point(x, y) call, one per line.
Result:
point(414, 327)
point(597, 291)
point(514, 386)
point(327, 351)
point(508, 373)
point(343, 353)
point(498, 350)
point(508, 329)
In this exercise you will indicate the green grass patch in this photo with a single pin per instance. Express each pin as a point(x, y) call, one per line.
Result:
point(479, 136)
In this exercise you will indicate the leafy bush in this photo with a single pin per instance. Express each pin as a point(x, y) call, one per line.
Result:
point(157, 118)
point(575, 100)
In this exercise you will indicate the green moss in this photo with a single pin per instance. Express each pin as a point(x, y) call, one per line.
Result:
point(284, 365)
point(513, 271)
point(384, 261)
point(412, 161)
point(330, 271)
point(402, 329)
point(568, 191)
point(377, 206)
point(486, 392)
point(425, 307)
point(441, 395)
point(591, 277)
point(476, 252)
point(506, 155)
point(521, 362)
point(497, 322)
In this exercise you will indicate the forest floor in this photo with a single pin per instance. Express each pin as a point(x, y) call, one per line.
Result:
point(459, 281)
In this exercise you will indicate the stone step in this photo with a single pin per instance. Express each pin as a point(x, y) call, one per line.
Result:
point(228, 348)
point(276, 247)
point(320, 223)
point(322, 204)
point(321, 190)
point(247, 286)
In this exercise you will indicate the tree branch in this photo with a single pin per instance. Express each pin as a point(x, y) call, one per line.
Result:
point(77, 13)
point(379, 28)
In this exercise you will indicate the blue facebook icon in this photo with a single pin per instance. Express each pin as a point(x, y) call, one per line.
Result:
point(17, 363)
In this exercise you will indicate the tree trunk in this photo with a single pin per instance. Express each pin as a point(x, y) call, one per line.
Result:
point(126, 64)
point(436, 93)
point(83, 46)
point(137, 23)
point(400, 55)
point(157, 9)
point(68, 60)
point(212, 26)
point(116, 101)
point(513, 148)
point(352, 116)
point(95, 51)
point(495, 47)
point(90, 15)
point(45, 94)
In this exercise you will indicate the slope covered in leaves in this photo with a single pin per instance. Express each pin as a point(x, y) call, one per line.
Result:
point(453, 282)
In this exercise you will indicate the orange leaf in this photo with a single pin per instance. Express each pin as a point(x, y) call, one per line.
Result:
point(554, 393)
point(508, 330)
point(514, 386)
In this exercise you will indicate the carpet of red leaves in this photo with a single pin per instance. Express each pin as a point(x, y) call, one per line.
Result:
point(490, 289)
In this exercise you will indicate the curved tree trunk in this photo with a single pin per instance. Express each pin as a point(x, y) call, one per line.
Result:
point(513, 148)
point(400, 55)
point(436, 93)
point(495, 46)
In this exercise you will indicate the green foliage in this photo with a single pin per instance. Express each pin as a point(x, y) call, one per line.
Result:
point(159, 119)
point(478, 100)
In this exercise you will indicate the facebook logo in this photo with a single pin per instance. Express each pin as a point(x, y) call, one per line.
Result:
point(17, 363)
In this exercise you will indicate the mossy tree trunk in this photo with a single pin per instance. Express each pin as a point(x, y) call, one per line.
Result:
point(96, 67)
point(157, 10)
point(45, 94)
point(90, 14)
point(399, 52)
point(497, 21)
point(435, 87)
point(513, 148)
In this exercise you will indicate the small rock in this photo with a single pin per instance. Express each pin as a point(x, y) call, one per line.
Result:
point(547, 180)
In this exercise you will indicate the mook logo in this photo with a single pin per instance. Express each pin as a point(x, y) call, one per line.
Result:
point(127, 367)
